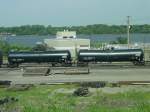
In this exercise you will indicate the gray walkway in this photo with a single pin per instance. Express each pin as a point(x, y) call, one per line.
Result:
point(110, 75)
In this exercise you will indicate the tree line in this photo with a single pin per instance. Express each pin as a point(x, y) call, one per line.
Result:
point(89, 29)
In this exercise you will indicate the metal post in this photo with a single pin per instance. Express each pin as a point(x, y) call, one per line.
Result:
point(144, 49)
point(128, 30)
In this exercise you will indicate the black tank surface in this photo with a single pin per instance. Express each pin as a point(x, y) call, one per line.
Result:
point(39, 57)
point(1, 58)
point(133, 55)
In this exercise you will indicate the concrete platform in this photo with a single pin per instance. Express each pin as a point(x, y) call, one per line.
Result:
point(36, 71)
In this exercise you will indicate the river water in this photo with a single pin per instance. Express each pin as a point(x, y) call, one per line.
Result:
point(31, 40)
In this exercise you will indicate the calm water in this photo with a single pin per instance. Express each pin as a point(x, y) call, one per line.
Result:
point(33, 39)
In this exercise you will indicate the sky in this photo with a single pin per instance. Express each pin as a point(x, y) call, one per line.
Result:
point(73, 12)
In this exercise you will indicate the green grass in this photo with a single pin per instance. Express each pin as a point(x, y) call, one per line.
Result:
point(44, 99)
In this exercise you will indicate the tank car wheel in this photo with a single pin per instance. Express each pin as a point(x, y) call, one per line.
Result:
point(142, 63)
point(53, 65)
point(13, 65)
point(136, 63)
point(82, 64)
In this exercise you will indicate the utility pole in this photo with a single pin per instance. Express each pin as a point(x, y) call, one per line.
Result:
point(128, 30)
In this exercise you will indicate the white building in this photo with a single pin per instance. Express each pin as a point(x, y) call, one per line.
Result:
point(66, 34)
point(67, 40)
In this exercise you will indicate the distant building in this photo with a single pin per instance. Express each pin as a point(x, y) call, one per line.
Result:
point(67, 40)
point(66, 34)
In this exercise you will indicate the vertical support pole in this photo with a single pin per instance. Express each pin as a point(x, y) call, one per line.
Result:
point(128, 31)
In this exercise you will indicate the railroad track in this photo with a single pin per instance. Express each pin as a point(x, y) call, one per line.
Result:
point(118, 65)
point(90, 66)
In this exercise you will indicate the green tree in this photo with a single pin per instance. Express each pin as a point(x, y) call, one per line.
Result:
point(120, 40)
point(39, 47)
point(89, 29)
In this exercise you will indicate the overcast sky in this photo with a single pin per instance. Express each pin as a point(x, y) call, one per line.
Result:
point(73, 12)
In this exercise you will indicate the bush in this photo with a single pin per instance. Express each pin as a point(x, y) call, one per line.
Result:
point(120, 40)
point(5, 47)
